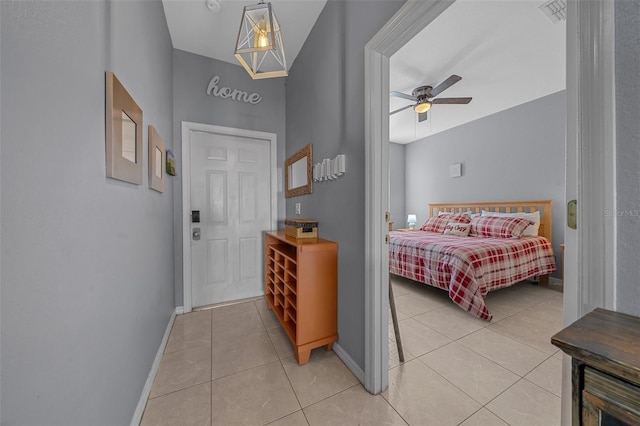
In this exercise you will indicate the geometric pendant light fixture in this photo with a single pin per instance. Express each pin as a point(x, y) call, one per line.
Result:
point(259, 47)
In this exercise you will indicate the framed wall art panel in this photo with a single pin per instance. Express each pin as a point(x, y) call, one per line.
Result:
point(123, 133)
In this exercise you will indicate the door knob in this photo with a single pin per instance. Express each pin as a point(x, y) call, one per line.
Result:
point(196, 234)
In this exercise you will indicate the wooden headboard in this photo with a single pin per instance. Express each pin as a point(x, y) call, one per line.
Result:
point(527, 206)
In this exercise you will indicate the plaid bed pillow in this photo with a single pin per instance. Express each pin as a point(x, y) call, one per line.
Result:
point(460, 218)
point(438, 223)
point(498, 227)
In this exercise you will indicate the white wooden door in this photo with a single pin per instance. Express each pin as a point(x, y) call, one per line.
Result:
point(231, 190)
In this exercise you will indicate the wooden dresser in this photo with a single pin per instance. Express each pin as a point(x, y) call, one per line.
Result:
point(605, 350)
point(301, 287)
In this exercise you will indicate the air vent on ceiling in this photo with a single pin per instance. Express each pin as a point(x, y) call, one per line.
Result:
point(555, 10)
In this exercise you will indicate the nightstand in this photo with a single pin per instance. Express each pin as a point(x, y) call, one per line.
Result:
point(605, 363)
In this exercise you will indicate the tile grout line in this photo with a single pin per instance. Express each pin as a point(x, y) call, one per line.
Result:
point(520, 377)
point(394, 408)
point(453, 384)
point(264, 328)
point(291, 385)
point(473, 414)
point(518, 381)
point(285, 372)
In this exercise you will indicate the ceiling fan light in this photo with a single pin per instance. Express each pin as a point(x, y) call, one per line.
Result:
point(422, 107)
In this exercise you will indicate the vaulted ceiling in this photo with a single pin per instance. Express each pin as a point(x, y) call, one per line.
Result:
point(196, 29)
point(507, 53)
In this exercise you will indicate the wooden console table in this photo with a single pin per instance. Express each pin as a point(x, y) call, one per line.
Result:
point(301, 277)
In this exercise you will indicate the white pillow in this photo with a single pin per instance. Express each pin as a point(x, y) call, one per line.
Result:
point(534, 217)
point(456, 228)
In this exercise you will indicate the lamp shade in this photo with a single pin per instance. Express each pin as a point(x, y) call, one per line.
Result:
point(259, 47)
point(422, 107)
point(412, 219)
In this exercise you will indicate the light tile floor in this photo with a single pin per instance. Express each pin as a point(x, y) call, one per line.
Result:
point(234, 365)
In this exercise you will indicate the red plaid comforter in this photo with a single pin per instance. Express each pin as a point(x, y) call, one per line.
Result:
point(468, 267)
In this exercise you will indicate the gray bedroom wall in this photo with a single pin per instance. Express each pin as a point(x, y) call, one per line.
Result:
point(627, 56)
point(191, 76)
point(516, 154)
point(0, 211)
point(397, 185)
point(87, 276)
point(325, 107)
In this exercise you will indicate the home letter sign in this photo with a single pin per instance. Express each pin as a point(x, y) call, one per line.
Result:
point(235, 94)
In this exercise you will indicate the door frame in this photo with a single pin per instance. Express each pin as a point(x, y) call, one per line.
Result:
point(188, 127)
point(590, 120)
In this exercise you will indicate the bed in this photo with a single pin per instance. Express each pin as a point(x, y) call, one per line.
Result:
point(469, 267)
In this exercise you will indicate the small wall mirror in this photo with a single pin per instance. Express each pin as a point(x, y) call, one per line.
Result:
point(128, 138)
point(298, 173)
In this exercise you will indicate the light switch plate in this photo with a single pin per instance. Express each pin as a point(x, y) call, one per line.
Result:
point(298, 208)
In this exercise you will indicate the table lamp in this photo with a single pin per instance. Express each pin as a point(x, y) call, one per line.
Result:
point(411, 220)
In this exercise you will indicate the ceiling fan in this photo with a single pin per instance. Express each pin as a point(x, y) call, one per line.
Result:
point(422, 96)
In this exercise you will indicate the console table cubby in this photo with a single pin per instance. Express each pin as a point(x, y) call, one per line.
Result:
point(301, 287)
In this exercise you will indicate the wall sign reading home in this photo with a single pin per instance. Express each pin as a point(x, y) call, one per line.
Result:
point(230, 93)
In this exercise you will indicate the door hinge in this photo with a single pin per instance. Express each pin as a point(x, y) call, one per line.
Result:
point(386, 239)
point(387, 216)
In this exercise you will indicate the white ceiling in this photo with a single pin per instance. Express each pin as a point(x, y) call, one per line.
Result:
point(507, 53)
point(194, 28)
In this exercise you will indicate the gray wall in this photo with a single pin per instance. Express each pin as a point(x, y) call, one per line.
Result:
point(191, 75)
point(516, 154)
point(397, 174)
point(0, 212)
point(325, 107)
point(87, 273)
point(628, 154)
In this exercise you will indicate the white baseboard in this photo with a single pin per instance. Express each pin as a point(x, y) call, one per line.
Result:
point(349, 362)
point(555, 281)
point(180, 310)
point(137, 415)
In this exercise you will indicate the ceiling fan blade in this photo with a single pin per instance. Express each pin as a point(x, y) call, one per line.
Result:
point(451, 100)
point(400, 109)
point(445, 85)
point(422, 117)
point(402, 95)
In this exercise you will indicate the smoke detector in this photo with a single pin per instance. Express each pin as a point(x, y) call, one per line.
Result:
point(215, 6)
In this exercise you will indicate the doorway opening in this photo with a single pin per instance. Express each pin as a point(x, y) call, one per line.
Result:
point(590, 167)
